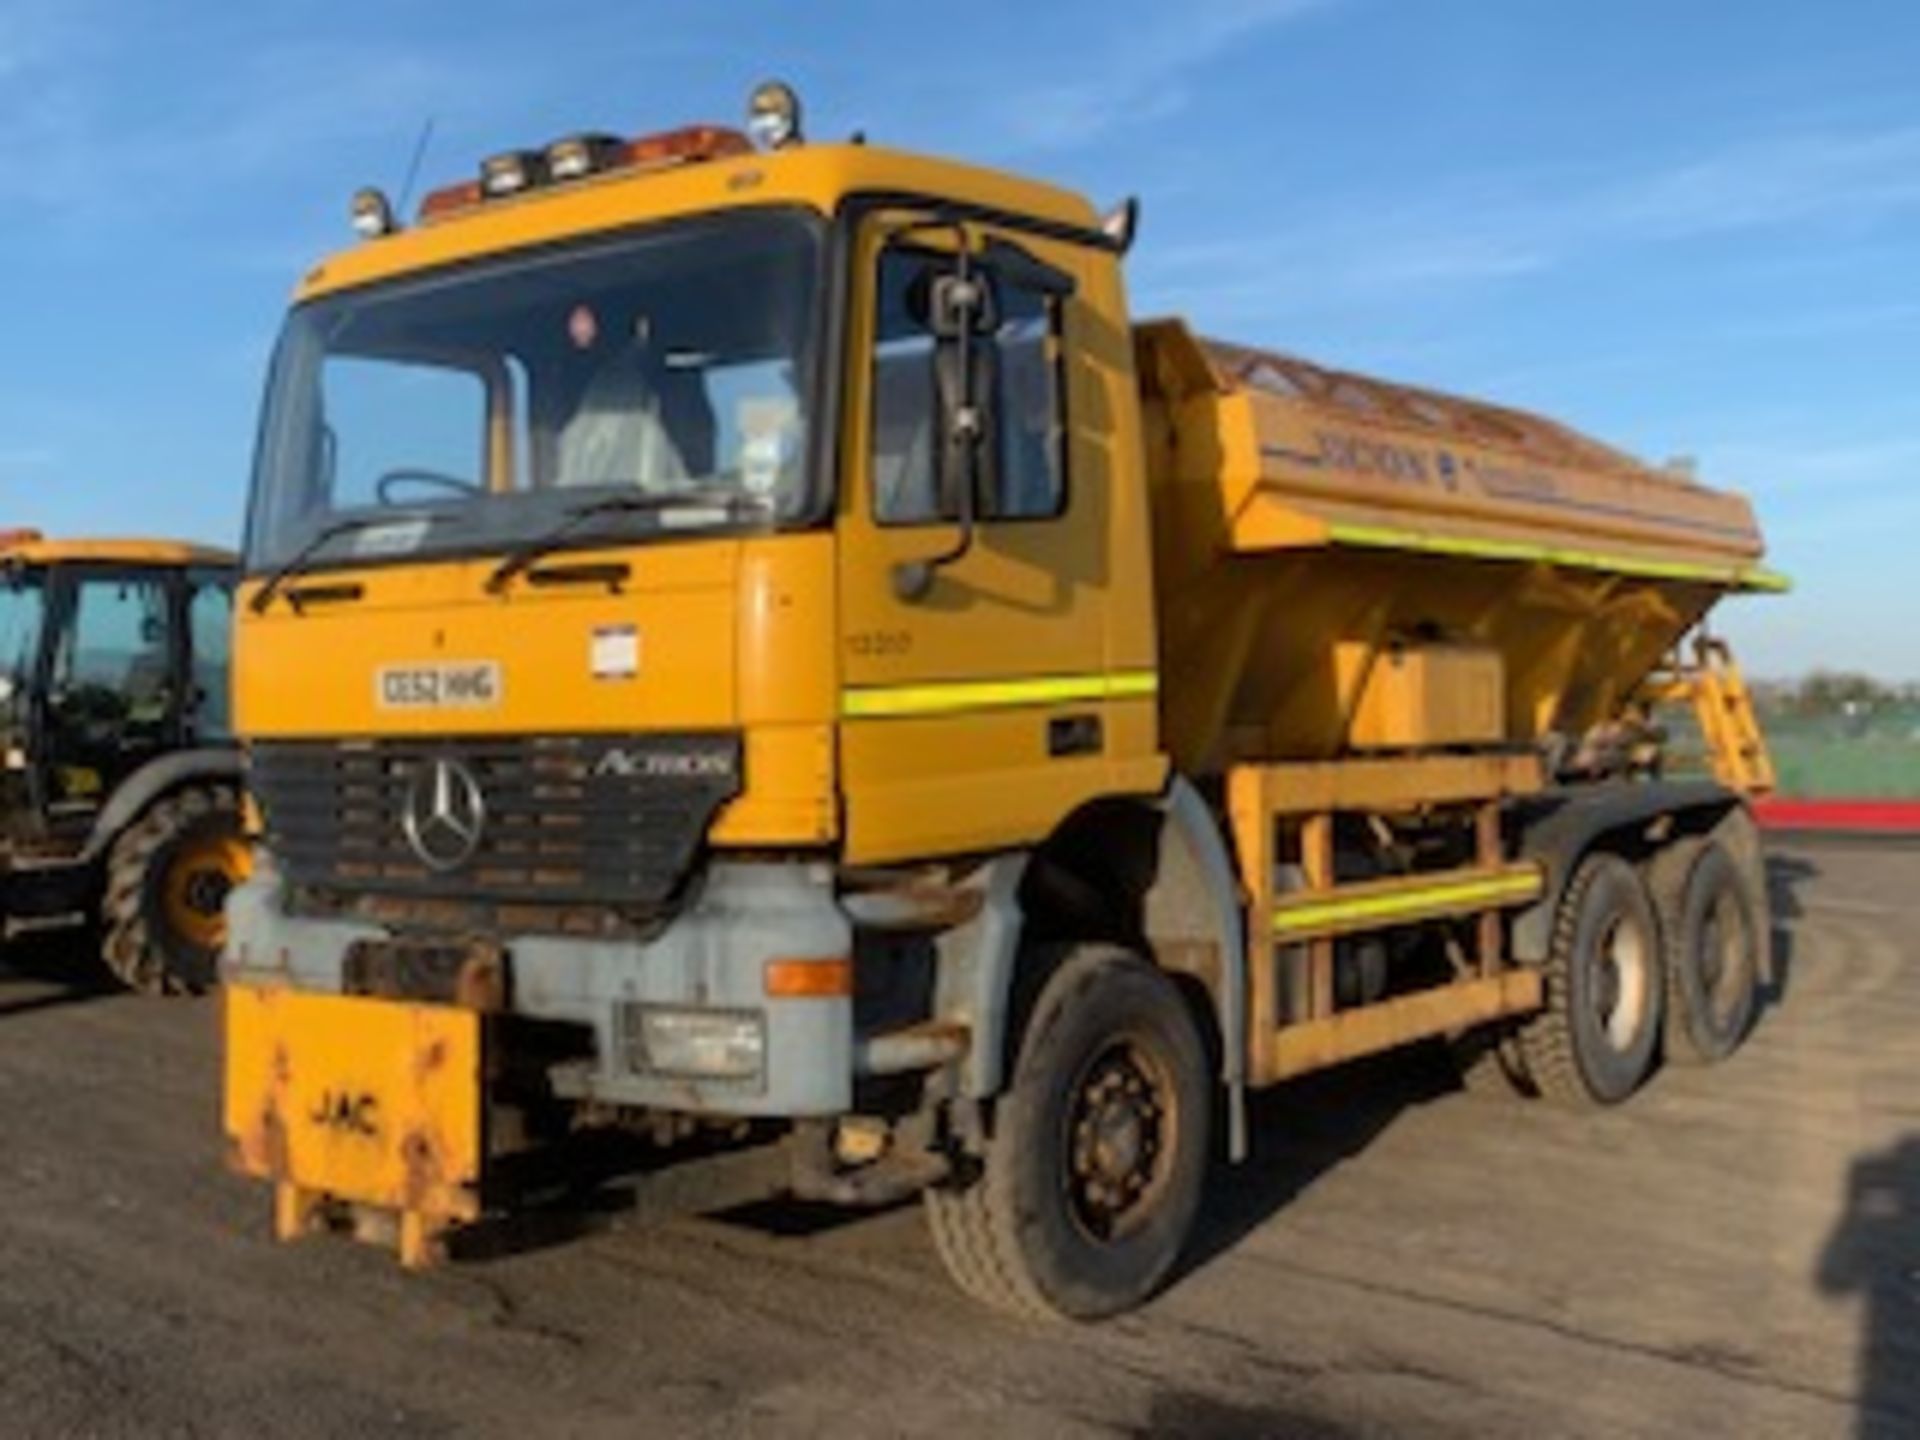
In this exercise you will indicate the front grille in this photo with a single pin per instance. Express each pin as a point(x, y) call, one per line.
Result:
point(580, 820)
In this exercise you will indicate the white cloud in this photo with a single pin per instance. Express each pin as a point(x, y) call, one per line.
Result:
point(1141, 76)
point(1383, 247)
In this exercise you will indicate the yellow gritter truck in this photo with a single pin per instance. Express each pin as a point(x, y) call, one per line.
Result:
point(742, 630)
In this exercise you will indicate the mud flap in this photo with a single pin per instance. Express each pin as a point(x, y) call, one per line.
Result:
point(371, 1103)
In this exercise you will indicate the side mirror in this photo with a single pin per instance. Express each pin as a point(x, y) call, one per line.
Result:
point(962, 313)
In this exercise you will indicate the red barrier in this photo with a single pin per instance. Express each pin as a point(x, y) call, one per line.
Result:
point(1870, 817)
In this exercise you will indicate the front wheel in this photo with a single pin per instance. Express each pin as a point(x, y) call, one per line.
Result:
point(1093, 1175)
point(168, 875)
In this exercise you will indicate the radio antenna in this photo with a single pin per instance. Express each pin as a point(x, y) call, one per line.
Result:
point(413, 165)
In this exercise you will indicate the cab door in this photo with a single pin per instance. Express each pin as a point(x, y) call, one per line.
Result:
point(985, 700)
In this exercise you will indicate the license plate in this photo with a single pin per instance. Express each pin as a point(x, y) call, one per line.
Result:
point(374, 1101)
point(451, 684)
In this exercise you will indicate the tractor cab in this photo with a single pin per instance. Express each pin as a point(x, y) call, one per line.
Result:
point(118, 776)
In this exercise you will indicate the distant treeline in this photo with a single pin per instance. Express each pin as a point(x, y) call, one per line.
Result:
point(1836, 692)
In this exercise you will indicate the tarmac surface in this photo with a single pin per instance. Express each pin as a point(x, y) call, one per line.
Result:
point(1735, 1253)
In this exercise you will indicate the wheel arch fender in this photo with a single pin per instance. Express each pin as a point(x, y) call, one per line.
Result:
point(1153, 873)
point(152, 780)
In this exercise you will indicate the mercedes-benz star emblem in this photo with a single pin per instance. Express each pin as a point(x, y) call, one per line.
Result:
point(444, 815)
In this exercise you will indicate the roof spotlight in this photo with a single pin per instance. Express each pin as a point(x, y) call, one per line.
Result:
point(578, 156)
point(773, 116)
point(509, 173)
point(373, 214)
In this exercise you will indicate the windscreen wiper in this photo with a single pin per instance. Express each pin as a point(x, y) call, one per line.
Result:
point(296, 562)
point(732, 502)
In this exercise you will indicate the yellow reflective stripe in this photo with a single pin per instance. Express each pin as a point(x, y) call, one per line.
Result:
point(947, 697)
point(1381, 537)
point(1405, 904)
point(1771, 581)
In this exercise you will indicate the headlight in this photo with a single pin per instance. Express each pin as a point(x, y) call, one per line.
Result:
point(696, 1044)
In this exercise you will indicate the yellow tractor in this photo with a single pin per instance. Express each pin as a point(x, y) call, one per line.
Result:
point(121, 805)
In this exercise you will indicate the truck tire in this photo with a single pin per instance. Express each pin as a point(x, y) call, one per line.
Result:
point(168, 874)
point(1712, 958)
point(1099, 1149)
point(1595, 1041)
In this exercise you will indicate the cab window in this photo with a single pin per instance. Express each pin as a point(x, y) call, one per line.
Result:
point(209, 631)
point(115, 655)
point(1029, 474)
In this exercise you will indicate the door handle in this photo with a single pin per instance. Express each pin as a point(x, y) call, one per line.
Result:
point(1069, 735)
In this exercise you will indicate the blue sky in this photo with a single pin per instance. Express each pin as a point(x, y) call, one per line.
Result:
point(1690, 228)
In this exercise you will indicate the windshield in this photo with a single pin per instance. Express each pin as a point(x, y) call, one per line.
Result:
point(481, 407)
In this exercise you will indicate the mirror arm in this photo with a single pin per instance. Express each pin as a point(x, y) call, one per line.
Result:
point(912, 579)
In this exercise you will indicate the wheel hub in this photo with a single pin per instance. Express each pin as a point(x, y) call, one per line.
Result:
point(1621, 983)
point(1118, 1141)
point(207, 891)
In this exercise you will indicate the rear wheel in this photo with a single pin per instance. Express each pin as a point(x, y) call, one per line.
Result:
point(168, 875)
point(1713, 958)
point(1093, 1176)
point(1595, 1041)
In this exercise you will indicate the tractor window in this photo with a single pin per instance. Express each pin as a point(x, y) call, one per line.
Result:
point(210, 627)
point(110, 704)
point(22, 612)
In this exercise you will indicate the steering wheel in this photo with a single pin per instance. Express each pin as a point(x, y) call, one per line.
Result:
point(412, 475)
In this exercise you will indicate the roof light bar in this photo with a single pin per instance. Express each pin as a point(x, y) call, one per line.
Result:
point(578, 157)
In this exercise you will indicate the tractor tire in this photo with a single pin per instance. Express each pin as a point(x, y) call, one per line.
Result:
point(1596, 1040)
point(168, 874)
point(1712, 956)
point(1099, 1150)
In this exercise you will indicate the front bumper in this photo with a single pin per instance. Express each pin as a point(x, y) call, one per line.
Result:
point(375, 1103)
point(712, 957)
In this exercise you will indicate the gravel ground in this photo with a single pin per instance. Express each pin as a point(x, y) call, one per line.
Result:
point(1736, 1253)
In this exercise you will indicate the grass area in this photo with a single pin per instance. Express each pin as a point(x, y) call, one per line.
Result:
point(1825, 757)
point(1877, 758)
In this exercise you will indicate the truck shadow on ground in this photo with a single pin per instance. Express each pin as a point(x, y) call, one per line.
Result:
point(64, 960)
point(1302, 1131)
point(1786, 876)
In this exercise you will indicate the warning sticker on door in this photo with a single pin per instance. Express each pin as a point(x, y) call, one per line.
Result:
point(615, 652)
